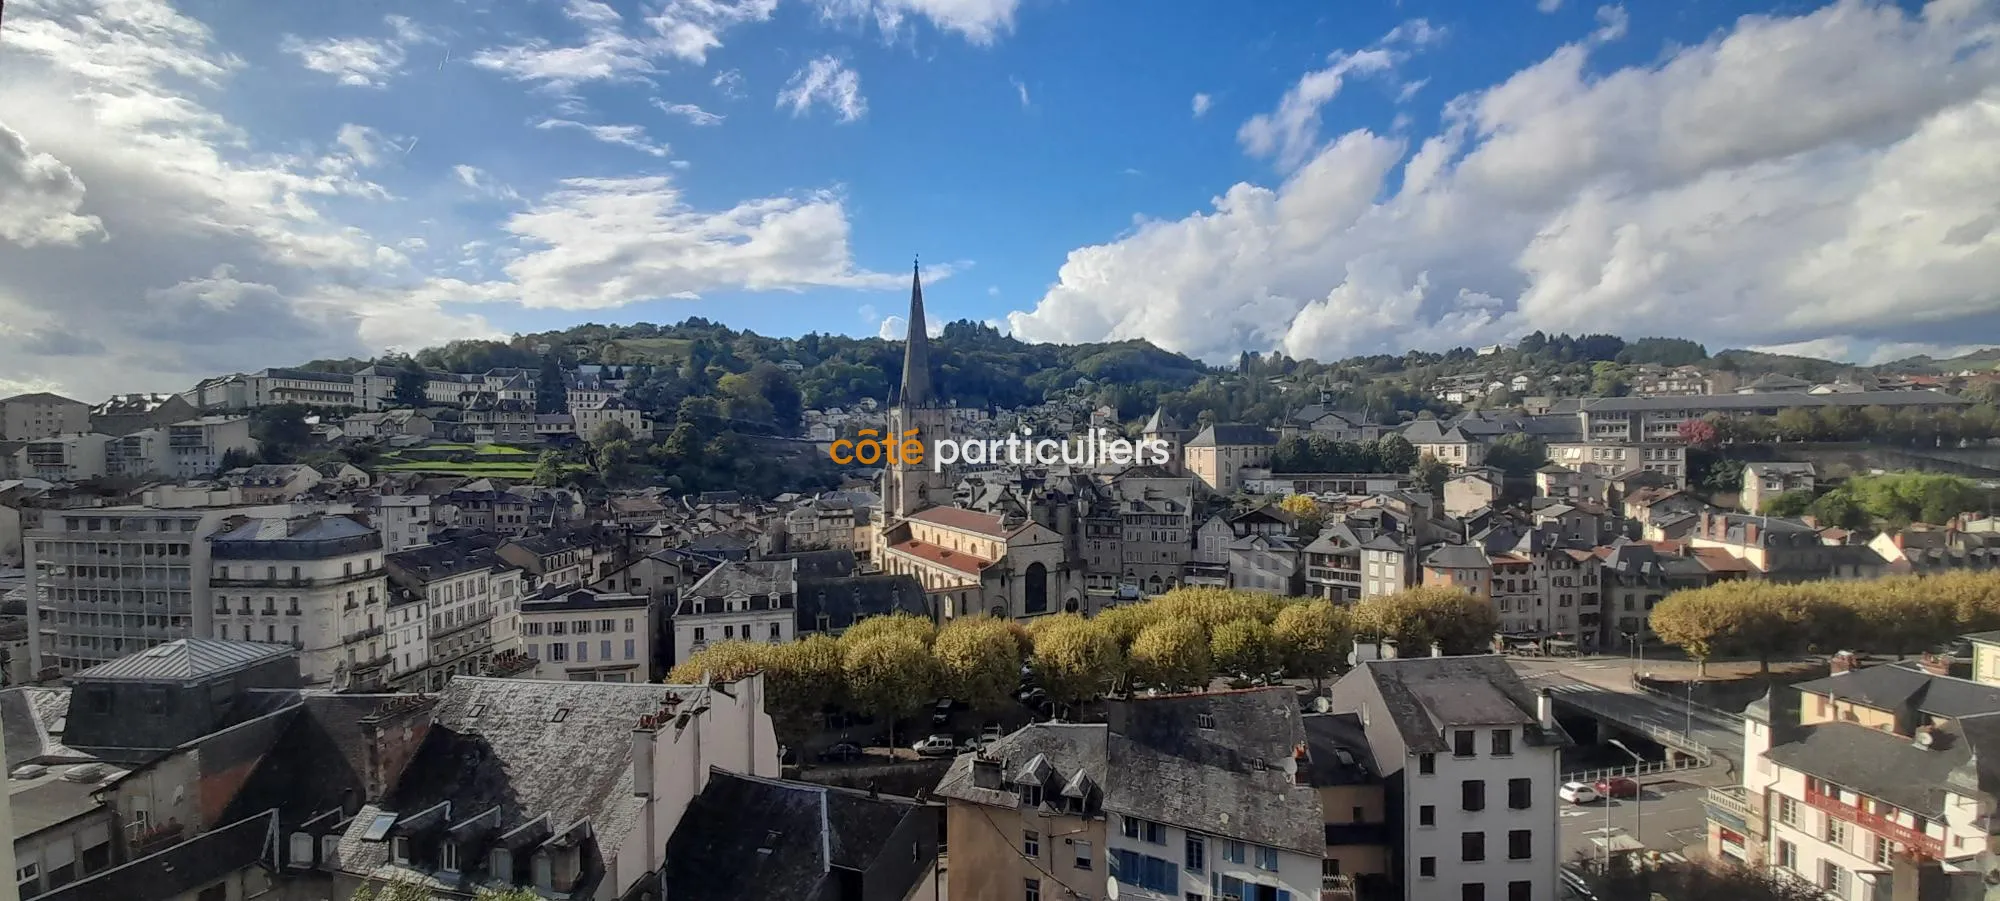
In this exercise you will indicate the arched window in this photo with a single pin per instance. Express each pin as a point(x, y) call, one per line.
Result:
point(1037, 589)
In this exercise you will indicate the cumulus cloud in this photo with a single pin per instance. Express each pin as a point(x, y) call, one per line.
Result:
point(357, 61)
point(729, 82)
point(1291, 132)
point(612, 48)
point(1828, 175)
point(1201, 104)
point(978, 21)
point(897, 328)
point(1548, 6)
point(1612, 23)
point(694, 115)
point(39, 196)
point(826, 81)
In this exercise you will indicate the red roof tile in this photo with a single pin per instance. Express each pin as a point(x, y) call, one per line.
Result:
point(964, 520)
point(958, 560)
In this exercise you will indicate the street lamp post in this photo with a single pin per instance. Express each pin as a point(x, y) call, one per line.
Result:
point(1638, 797)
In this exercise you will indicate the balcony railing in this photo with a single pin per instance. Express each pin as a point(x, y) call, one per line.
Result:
point(1912, 839)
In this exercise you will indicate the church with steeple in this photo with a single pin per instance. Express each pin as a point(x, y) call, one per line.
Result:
point(968, 561)
point(909, 487)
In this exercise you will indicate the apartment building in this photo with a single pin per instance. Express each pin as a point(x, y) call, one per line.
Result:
point(63, 458)
point(196, 447)
point(1185, 796)
point(1656, 419)
point(316, 582)
point(1867, 784)
point(403, 519)
point(1783, 550)
point(1605, 458)
point(590, 418)
point(1764, 481)
point(580, 635)
point(1216, 457)
point(445, 598)
point(738, 601)
point(112, 581)
point(1156, 529)
point(1470, 755)
point(26, 417)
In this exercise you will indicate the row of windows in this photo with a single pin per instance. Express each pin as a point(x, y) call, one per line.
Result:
point(775, 632)
point(559, 652)
point(576, 627)
point(1472, 798)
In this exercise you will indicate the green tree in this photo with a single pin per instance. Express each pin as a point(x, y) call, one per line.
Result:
point(1312, 638)
point(1457, 621)
point(906, 624)
point(411, 382)
point(1074, 658)
point(978, 661)
point(1790, 503)
point(1839, 508)
point(551, 392)
point(550, 471)
point(1431, 474)
point(1395, 453)
point(1797, 424)
point(1695, 622)
point(801, 679)
point(608, 432)
point(1516, 454)
point(1173, 654)
point(890, 676)
point(1307, 512)
point(1244, 647)
point(724, 661)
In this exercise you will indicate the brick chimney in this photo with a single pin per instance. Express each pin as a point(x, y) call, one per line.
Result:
point(1936, 664)
point(393, 734)
point(1842, 662)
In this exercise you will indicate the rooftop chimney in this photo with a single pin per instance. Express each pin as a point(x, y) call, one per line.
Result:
point(642, 755)
point(1936, 664)
point(1437, 649)
point(1842, 662)
point(1545, 709)
point(985, 772)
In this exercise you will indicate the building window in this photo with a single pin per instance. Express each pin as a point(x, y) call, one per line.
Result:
point(1427, 815)
point(1427, 764)
point(1788, 811)
point(1520, 844)
point(700, 635)
point(1472, 794)
point(1833, 878)
point(1520, 794)
point(1427, 867)
point(1031, 844)
point(448, 857)
point(1232, 851)
point(1472, 891)
point(1472, 847)
point(631, 648)
point(1520, 890)
point(775, 634)
point(1788, 855)
point(1032, 890)
point(1267, 858)
point(1197, 854)
point(399, 848)
point(1885, 851)
point(1503, 742)
point(1836, 833)
point(1082, 855)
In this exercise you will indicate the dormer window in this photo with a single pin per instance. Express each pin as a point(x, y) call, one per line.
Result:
point(1031, 795)
point(448, 857)
point(399, 849)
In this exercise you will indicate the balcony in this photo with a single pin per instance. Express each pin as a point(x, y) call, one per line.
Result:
point(1730, 807)
point(1913, 840)
point(362, 635)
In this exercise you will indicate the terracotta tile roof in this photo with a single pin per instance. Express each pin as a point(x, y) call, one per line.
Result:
point(1718, 560)
point(958, 560)
point(965, 521)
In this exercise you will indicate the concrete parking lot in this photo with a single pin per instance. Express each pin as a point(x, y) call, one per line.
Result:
point(1667, 817)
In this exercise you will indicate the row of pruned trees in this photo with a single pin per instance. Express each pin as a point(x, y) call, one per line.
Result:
point(894, 666)
point(1768, 620)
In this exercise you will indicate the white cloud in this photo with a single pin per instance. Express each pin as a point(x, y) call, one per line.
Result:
point(1201, 104)
point(600, 243)
point(362, 143)
point(1022, 89)
point(1410, 89)
point(614, 49)
point(1548, 6)
point(1828, 176)
point(1612, 23)
point(897, 328)
point(39, 197)
point(978, 21)
point(359, 62)
point(730, 83)
point(695, 115)
point(828, 81)
point(1291, 133)
point(631, 136)
point(483, 182)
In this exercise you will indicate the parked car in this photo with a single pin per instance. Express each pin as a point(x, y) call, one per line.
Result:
point(941, 714)
point(1575, 887)
point(845, 752)
point(936, 746)
point(1617, 787)
point(1579, 793)
point(990, 732)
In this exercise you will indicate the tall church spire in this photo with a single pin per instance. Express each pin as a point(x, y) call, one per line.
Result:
point(916, 390)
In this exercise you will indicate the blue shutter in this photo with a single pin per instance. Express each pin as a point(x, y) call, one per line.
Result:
point(1284, 895)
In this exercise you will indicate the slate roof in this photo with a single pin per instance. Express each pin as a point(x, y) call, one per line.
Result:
point(1457, 556)
point(185, 660)
point(1426, 695)
point(750, 837)
point(496, 743)
point(1233, 435)
point(1899, 687)
point(318, 763)
point(183, 868)
point(821, 564)
point(761, 577)
point(1328, 737)
point(1876, 763)
point(845, 601)
point(31, 721)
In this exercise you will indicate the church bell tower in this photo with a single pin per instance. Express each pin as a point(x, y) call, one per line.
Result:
point(909, 487)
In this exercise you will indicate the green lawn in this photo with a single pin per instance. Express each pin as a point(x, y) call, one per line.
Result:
point(656, 350)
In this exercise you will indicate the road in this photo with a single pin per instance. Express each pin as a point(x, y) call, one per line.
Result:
point(1671, 811)
point(1722, 736)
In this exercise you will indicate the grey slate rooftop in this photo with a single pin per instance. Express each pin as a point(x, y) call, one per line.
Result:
point(751, 837)
point(1899, 687)
point(1427, 695)
point(183, 868)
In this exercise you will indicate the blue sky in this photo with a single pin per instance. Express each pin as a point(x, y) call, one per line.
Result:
point(238, 184)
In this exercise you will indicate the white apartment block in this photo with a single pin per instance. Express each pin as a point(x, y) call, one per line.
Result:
point(404, 521)
point(26, 417)
point(1609, 458)
point(1866, 784)
point(408, 617)
point(316, 582)
point(1472, 758)
point(63, 458)
point(112, 581)
point(589, 419)
point(580, 635)
point(450, 597)
point(195, 448)
point(738, 601)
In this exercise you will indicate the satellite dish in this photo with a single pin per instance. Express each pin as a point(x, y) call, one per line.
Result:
point(1111, 888)
point(1323, 704)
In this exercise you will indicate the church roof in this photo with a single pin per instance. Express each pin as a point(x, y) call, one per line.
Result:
point(916, 388)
